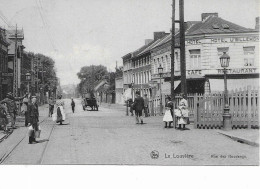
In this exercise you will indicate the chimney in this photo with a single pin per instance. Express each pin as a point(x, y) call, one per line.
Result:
point(158, 35)
point(257, 23)
point(147, 41)
point(205, 15)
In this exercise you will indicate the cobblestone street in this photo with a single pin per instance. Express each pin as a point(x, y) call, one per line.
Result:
point(109, 137)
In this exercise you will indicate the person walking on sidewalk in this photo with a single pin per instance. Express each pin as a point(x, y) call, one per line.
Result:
point(51, 106)
point(146, 105)
point(72, 105)
point(60, 114)
point(182, 113)
point(168, 115)
point(33, 115)
point(24, 109)
point(3, 117)
point(138, 107)
point(11, 106)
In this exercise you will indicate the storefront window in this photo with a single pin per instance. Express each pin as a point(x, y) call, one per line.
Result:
point(249, 53)
point(195, 59)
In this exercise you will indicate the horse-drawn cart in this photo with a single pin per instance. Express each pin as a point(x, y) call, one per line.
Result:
point(89, 100)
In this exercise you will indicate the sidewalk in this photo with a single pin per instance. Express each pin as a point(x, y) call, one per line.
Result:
point(43, 111)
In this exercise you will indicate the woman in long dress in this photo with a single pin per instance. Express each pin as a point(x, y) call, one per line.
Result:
point(183, 113)
point(167, 118)
point(60, 110)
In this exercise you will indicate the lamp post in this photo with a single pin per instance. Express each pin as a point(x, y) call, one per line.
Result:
point(224, 62)
point(160, 71)
point(28, 79)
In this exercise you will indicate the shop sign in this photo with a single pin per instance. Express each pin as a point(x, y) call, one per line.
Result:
point(239, 71)
point(193, 72)
point(7, 74)
point(234, 39)
point(193, 42)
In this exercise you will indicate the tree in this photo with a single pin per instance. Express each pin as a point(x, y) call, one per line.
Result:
point(89, 76)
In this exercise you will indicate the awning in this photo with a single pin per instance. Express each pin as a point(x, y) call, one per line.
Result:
point(233, 84)
point(166, 86)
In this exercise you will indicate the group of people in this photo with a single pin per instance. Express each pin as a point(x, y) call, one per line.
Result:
point(140, 105)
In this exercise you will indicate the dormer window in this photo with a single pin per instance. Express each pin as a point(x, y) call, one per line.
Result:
point(225, 26)
point(215, 26)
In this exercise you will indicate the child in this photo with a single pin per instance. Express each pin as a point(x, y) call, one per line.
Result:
point(184, 112)
point(3, 117)
point(167, 118)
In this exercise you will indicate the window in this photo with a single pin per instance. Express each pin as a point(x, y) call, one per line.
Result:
point(155, 66)
point(195, 58)
point(249, 56)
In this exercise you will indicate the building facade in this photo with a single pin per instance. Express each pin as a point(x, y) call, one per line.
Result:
point(137, 67)
point(206, 41)
point(4, 79)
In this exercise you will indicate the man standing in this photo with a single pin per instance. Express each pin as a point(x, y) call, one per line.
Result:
point(11, 106)
point(146, 106)
point(51, 106)
point(72, 105)
point(138, 106)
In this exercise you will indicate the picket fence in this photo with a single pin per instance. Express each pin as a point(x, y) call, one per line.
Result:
point(206, 111)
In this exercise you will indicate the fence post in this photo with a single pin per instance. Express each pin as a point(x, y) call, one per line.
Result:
point(195, 110)
point(249, 97)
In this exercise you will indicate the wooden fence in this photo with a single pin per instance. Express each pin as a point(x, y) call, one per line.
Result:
point(243, 109)
point(206, 111)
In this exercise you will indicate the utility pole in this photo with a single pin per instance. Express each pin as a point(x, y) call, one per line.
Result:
point(182, 49)
point(172, 51)
point(15, 67)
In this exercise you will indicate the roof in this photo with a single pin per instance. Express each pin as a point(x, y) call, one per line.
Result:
point(11, 34)
point(215, 25)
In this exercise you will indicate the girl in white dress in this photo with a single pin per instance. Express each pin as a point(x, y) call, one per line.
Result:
point(183, 114)
point(167, 118)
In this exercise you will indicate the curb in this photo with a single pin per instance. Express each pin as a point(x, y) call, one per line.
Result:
point(241, 140)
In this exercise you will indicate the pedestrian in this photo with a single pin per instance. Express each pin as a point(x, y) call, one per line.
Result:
point(72, 105)
point(182, 113)
point(130, 103)
point(60, 114)
point(24, 109)
point(138, 107)
point(51, 103)
point(11, 106)
point(168, 115)
point(3, 117)
point(33, 118)
point(146, 105)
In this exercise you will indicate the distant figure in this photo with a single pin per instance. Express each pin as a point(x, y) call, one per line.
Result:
point(167, 118)
point(183, 112)
point(72, 105)
point(51, 103)
point(138, 107)
point(146, 105)
point(60, 110)
point(25, 109)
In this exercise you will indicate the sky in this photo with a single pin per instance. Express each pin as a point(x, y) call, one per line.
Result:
point(77, 33)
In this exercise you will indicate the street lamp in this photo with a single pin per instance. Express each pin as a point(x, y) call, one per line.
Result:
point(28, 79)
point(160, 71)
point(224, 62)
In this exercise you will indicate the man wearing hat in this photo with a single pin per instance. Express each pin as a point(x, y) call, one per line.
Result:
point(11, 106)
point(138, 107)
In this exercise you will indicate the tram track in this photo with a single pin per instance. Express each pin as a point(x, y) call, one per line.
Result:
point(8, 154)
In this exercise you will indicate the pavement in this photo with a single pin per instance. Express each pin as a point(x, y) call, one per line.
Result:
point(109, 137)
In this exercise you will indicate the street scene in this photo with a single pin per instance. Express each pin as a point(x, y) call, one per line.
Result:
point(88, 84)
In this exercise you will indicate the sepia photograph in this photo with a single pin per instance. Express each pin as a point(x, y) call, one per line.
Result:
point(129, 82)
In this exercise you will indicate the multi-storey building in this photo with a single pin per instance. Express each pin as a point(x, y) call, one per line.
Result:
point(205, 42)
point(4, 79)
point(137, 67)
point(15, 39)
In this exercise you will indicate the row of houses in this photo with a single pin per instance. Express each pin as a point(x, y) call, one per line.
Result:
point(205, 41)
point(10, 40)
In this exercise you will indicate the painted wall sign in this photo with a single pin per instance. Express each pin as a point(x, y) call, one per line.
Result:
point(193, 42)
point(194, 72)
point(239, 71)
point(234, 39)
